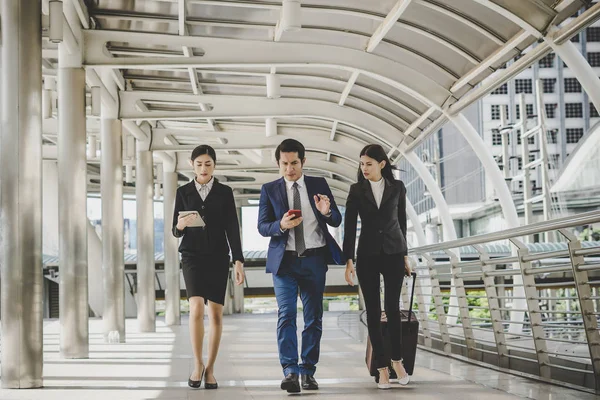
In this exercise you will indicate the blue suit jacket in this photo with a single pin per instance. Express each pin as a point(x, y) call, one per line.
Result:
point(274, 204)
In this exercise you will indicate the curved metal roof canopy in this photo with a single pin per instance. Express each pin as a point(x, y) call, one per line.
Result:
point(334, 74)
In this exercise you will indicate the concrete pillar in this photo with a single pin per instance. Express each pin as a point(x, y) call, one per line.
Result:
point(21, 195)
point(111, 189)
point(144, 193)
point(72, 213)
point(173, 290)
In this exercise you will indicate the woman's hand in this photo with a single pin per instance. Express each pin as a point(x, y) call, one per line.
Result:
point(407, 267)
point(350, 272)
point(184, 221)
point(239, 273)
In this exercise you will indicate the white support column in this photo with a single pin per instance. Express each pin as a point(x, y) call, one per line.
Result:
point(421, 241)
point(444, 215)
point(584, 73)
point(21, 195)
point(72, 194)
point(111, 190)
point(509, 210)
point(173, 285)
point(144, 192)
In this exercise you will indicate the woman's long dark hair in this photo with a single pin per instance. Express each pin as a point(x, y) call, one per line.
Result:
point(377, 153)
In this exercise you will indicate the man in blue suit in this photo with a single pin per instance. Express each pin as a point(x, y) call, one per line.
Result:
point(301, 247)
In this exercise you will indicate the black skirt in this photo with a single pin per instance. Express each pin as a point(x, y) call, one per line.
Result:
point(206, 276)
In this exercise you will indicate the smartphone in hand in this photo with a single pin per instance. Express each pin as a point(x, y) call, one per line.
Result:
point(296, 213)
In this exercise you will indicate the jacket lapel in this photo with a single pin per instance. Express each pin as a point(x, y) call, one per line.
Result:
point(387, 192)
point(283, 193)
point(368, 192)
point(311, 194)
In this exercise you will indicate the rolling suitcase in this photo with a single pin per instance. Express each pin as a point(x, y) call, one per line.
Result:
point(410, 334)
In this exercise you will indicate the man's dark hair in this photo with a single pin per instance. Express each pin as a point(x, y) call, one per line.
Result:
point(290, 146)
point(204, 149)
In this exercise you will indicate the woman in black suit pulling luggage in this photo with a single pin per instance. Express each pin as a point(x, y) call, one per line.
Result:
point(205, 256)
point(380, 200)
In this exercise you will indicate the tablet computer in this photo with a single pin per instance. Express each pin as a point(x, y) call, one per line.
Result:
point(197, 223)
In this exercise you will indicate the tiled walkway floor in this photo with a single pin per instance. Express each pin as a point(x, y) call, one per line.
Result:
point(157, 365)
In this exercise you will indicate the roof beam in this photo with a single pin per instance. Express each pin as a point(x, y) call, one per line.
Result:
point(387, 24)
point(232, 107)
point(227, 52)
point(511, 17)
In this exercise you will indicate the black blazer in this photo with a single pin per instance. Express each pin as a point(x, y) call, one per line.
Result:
point(220, 215)
point(383, 229)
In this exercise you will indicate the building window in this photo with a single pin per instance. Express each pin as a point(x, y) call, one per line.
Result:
point(519, 163)
point(496, 139)
point(547, 61)
point(501, 90)
point(495, 112)
point(552, 136)
point(573, 110)
point(523, 86)
point(593, 34)
point(575, 39)
point(572, 85)
point(551, 110)
point(553, 161)
point(548, 85)
point(574, 134)
point(531, 157)
point(594, 59)
point(593, 111)
point(528, 110)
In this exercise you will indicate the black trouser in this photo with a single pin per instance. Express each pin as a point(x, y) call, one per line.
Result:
point(368, 269)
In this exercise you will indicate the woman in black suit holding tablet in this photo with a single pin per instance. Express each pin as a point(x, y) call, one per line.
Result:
point(380, 200)
point(205, 255)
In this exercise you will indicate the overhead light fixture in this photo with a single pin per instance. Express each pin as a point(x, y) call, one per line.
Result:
point(271, 127)
point(273, 86)
point(55, 31)
point(96, 101)
point(290, 15)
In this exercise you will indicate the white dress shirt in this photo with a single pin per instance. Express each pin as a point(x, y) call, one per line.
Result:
point(313, 235)
point(204, 189)
point(377, 188)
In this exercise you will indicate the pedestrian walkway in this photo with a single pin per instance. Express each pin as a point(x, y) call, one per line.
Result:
point(157, 365)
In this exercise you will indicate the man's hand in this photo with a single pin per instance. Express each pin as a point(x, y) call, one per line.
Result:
point(323, 203)
point(289, 221)
point(184, 221)
point(239, 273)
point(350, 272)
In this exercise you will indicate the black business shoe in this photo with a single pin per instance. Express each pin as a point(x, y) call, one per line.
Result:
point(290, 383)
point(309, 383)
point(196, 384)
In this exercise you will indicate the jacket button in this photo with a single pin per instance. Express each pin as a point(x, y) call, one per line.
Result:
point(380, 231)
point(203, 207)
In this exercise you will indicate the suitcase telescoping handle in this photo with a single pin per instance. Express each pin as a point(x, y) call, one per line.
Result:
point(412, 294)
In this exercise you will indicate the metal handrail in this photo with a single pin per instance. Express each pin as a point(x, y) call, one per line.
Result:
point(559, 223)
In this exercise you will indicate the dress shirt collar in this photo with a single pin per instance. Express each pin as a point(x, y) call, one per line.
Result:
point(208, 185)
point(289, 184)
point(379, 184)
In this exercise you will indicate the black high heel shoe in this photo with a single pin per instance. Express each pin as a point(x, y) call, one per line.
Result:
point(211, 385)
point(196, 384)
